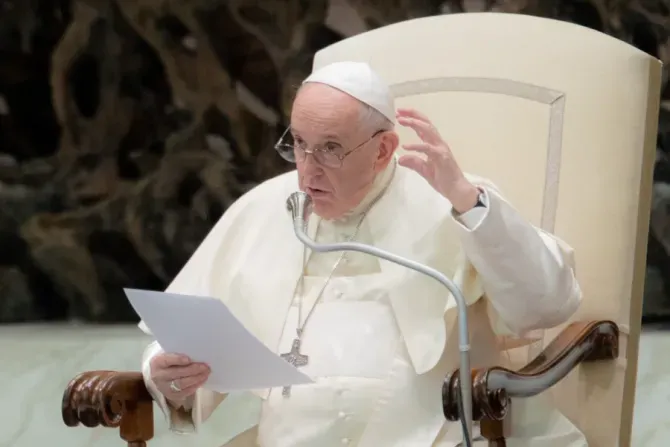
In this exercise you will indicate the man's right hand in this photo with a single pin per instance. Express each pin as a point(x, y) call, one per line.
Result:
point(179, 371)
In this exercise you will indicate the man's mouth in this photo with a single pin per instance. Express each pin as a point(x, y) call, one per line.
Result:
point(315, 192)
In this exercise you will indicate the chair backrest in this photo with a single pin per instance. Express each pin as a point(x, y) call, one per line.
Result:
point(563, 119)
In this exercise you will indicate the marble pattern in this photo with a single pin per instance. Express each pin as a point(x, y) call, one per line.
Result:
point(37, 361)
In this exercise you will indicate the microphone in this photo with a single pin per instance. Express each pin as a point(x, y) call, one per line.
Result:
point(299, 204)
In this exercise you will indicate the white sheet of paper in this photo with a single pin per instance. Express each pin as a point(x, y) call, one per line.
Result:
point(204, 329)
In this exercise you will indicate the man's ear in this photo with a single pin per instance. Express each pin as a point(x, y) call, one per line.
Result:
point(388, 143)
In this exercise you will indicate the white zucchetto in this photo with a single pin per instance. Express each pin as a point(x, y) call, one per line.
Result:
point(359, 80)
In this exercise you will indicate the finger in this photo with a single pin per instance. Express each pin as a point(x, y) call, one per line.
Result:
point(178, 372)
point(416, 164)
point(411, 113)
point(187, 386)
point(186, 383)
point(422, 148)
point(181, 395)
point(167, 360)
point(424, 130)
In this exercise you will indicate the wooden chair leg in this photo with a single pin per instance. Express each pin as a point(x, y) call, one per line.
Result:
point(137, 425)
point(493, 432)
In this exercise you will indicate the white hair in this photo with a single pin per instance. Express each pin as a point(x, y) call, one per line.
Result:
point(373, 119)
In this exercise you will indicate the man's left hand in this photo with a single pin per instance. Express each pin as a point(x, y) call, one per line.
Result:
point(439, 168)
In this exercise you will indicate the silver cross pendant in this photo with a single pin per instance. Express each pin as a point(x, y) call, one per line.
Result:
point(295, 358)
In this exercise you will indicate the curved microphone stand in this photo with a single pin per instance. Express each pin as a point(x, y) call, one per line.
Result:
point(299, 204)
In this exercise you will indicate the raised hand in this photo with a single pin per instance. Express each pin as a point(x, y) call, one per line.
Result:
point(439, 167)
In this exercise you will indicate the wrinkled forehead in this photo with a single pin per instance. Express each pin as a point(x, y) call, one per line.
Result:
point(319, 108)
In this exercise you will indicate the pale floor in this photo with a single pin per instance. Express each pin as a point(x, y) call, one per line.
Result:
point(36, 362)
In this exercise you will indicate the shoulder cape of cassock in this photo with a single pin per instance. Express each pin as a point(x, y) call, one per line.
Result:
point(253, 252)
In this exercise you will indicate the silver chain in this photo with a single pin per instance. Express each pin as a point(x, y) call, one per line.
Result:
point(300, 328)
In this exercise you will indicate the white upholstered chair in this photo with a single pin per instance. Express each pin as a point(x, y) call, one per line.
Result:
point(563, 119)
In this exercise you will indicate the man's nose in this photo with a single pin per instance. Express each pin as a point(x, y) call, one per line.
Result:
point(310, 163)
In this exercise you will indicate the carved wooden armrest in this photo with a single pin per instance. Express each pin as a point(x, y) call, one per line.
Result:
point(493, 387)
point(111, 399)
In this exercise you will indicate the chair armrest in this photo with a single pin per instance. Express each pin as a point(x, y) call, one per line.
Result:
point(111, 399)
point(493, 387)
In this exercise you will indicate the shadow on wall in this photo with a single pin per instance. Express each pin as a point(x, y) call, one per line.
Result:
point(121, 143)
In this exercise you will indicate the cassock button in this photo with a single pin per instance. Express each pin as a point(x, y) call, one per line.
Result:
point(346, 441)
point(342, 415)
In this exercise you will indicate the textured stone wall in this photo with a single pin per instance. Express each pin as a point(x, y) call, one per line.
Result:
point(128, 126)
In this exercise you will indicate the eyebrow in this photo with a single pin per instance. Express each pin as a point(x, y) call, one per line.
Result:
point(329, 136)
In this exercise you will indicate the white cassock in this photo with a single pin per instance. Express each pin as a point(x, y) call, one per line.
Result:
point(382, 338)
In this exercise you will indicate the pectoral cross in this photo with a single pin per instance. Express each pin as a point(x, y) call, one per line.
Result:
point(295, 358)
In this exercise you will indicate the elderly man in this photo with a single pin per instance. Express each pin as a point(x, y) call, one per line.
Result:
point(376, 338)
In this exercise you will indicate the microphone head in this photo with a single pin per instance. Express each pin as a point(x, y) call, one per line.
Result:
point(299, 204)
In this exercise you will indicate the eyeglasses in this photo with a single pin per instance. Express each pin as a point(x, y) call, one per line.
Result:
point(326, 156)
